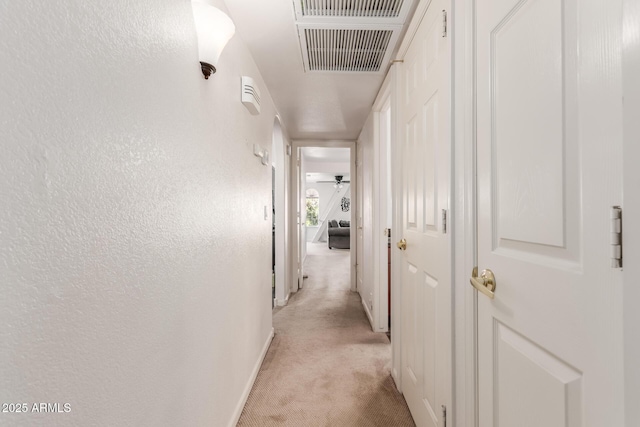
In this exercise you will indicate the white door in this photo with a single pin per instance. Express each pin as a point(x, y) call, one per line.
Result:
point(549, 170)
point(426, 262)
point(359, 220)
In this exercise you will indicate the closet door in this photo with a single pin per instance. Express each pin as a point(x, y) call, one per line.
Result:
point(549, 172)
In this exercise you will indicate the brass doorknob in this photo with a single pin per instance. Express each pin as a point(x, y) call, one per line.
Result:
point(402, 244)
point(486, 283)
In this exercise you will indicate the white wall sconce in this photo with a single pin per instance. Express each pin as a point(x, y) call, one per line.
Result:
point(262, 153)
point(214, 30)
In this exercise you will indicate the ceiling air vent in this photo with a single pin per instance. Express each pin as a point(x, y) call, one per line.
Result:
point(349, 35)
point(354, 8)
point(345, 50)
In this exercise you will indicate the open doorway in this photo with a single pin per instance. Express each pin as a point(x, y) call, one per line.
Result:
point(327, 201)
point(325, 194)
point(383, 207)
point(281, 260)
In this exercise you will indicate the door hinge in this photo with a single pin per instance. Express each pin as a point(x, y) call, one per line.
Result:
point(616, 237)
point(444, 415)
point(444, 221)
point(444, 23)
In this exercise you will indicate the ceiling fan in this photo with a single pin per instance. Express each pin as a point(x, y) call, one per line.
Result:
point(338, 181)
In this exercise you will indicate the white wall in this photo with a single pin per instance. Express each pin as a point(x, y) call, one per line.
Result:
point(334, 168)
point(131, 201)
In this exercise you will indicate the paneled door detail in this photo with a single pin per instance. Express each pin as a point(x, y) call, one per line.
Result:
point(549, 170)
point(426, 261)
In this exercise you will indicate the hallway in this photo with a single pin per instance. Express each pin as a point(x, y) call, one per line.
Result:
point(492, 144)
point(325, 366)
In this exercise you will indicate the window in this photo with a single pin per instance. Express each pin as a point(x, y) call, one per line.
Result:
point(313, 207)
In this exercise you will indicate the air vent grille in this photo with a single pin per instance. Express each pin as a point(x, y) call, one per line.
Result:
point(357, 8)
point(346, 50)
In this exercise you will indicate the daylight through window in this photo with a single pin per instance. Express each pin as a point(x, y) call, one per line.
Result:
point(313, 207)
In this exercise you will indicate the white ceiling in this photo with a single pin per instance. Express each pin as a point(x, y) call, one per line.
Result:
point(326, 154)
point(319, 106)
point(324, 163)
point(321, 177)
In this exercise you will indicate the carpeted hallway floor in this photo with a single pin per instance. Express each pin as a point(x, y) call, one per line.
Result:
point(325, 366)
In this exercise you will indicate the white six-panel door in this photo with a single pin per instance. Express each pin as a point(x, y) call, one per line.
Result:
point(424, 104)
point(549, 170)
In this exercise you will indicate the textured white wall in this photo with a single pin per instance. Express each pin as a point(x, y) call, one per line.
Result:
point(134, 256)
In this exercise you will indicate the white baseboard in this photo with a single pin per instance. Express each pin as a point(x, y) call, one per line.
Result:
point(369, 316)
point(252, 379)
point(396, 380)
point(280, 303)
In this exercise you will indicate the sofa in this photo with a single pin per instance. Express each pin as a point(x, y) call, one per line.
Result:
point(338, 234)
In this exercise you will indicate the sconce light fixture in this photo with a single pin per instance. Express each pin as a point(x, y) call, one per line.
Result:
point(258, 151)
point(214, 30)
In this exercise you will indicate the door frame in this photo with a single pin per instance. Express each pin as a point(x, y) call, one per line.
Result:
point(380, 173)
point(294, 200)
point(282, 245)
point(464, 212)
point(397, 213)
point(361, 230)
point(631, 207)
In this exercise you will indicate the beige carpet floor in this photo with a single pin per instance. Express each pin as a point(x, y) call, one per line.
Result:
point(325, 366)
